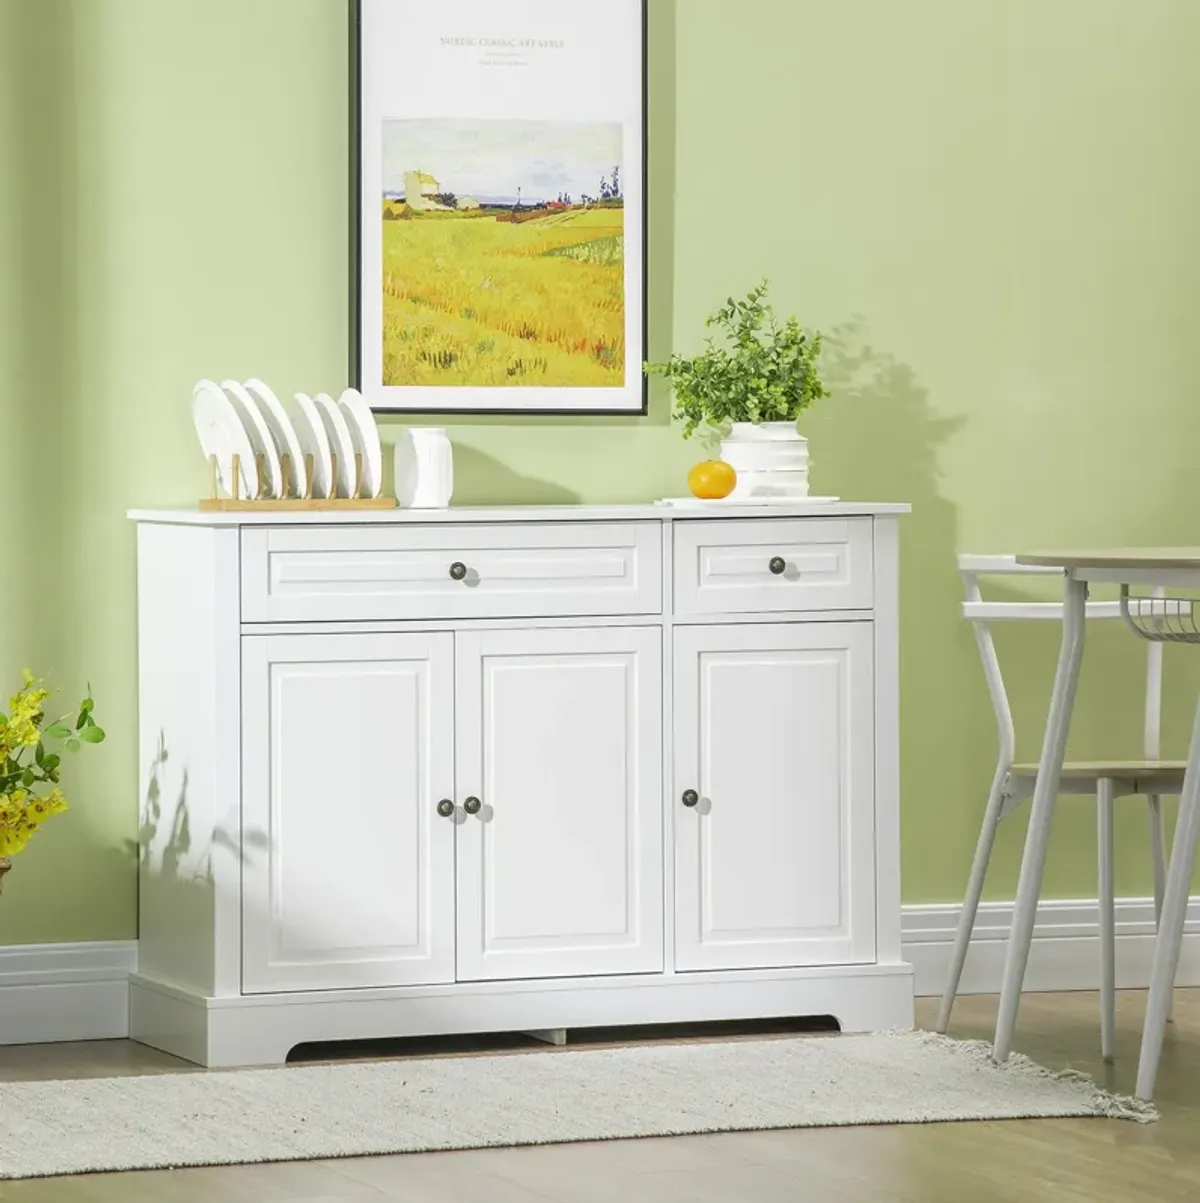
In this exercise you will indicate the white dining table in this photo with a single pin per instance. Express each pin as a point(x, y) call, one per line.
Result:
point(1140, 569)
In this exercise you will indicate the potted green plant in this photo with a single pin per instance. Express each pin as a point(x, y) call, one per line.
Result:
point(29, 768)
point(749, 389)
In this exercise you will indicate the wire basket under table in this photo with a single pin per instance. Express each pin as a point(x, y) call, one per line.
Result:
point(1161, 619)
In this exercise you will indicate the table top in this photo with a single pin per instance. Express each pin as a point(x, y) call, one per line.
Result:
point(1116, 558)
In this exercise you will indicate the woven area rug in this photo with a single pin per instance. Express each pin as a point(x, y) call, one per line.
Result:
point(291, 1114)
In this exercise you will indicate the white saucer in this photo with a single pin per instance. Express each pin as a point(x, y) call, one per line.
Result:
point(365, 434)
point(310, 430)
point(286, 441)
point(222, 435)
point(260, 435)
point(341, 443)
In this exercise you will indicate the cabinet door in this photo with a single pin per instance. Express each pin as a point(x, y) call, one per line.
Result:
point(347, 748)
point(559, 735)
point(774, 751)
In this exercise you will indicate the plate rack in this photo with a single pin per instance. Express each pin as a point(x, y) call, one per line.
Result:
point(214, 501)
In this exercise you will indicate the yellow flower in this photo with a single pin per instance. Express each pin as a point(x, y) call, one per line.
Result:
point(55, 802)
point(13, 840)
point(23, 813)
point(24, 720)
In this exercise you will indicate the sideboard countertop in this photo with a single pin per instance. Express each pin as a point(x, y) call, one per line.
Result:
point(515, 513)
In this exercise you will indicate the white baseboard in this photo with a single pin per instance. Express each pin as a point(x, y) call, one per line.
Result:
point(53, 992)
point(60, 992)
point(1066, 946)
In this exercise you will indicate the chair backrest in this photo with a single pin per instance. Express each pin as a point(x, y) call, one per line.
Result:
point(980, 613)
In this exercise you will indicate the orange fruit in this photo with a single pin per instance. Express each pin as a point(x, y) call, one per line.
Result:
point(712, 479)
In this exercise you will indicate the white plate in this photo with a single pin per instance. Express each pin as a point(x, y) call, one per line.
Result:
point(340, 441)
point(710, 501)
point(310, 430)
point(286, 442)
point(365, 434)
point(260, 435)
point(222, 434)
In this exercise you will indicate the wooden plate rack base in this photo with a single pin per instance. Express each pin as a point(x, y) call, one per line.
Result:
point(308, 502)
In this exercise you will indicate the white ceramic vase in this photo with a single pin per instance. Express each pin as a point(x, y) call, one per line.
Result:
point(424, 461)
point(771, 461)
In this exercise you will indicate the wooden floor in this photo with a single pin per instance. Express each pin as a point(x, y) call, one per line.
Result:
point(1064, 1161)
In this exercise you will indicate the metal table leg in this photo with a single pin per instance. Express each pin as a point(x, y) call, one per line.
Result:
point(1041, 812)
point(1170, 928)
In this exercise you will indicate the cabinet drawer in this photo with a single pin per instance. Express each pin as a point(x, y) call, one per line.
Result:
point(363, 573)
point(773, 564)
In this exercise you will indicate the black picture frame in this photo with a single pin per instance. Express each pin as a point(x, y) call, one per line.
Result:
point(354, 8)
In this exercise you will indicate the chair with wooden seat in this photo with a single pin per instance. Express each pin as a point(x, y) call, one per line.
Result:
point(1012, 783)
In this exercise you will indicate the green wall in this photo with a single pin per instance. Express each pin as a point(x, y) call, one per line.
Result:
point(992, 205)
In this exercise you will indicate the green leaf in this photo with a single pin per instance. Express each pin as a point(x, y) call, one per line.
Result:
point(58, 731)
point(51, 763)
point(765, 371)
point(72, 745)
point(27, 778)
point(87, 706)
point(39, 753)
point(92, 734)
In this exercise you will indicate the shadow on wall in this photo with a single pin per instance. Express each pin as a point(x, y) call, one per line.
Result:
point(71, 882)
point(481, 479)
point(877, 438)
point(38, 374)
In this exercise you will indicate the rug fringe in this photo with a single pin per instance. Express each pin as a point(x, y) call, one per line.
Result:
point(1104, 1102)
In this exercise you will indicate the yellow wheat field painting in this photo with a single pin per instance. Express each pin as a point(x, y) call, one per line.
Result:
point(503, 254)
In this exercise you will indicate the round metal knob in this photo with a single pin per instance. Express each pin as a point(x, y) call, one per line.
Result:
point(778, 565)
point(458, 571)
point(445, 808)
point(690, 797)
point(472, 806)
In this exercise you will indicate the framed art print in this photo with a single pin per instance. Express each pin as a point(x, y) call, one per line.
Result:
point(498, 205)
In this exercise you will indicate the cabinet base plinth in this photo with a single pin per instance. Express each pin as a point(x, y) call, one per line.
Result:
point(554, 1036)
point(263, 1029)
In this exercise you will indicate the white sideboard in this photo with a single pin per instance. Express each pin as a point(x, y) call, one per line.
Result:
point(521, 769)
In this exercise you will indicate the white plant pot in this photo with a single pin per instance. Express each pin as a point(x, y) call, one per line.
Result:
point(424, 468)
point(771, 461)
